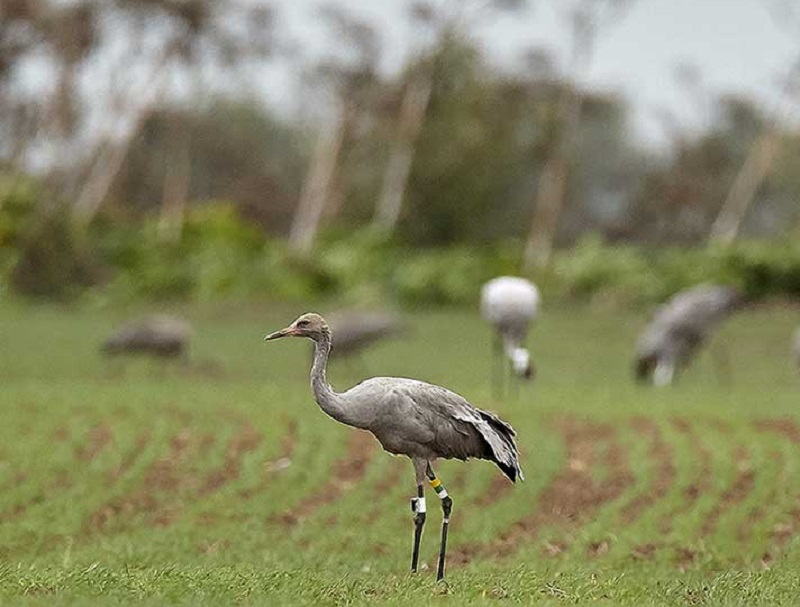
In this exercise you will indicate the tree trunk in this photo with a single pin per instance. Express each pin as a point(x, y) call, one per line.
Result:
point(756, 166)
point(111, 155)
point(413, 109)
point(104, 169)
point(551, 190)
point(176, 182)
point(317, 186)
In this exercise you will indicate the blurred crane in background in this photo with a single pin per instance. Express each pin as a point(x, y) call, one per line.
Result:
point(158, 335)
point(353, 331)
point(679, 328)
point(509, 304)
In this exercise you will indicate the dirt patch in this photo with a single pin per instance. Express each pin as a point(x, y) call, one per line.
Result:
point(783, 427)
point(283, 461)
point(166, 483)
point(758, 512)
point(573, 495)
point(661, 456)
point(129, 459)
point(98, 438)
point(244, 441)
point(347, 471)
point(741, 486)
point(701, 481)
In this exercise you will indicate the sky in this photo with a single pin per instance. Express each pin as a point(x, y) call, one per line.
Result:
point(735, 45)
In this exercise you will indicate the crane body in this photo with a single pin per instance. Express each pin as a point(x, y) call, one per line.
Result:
point(159, 335)
point(509, 304)
point(679, 328)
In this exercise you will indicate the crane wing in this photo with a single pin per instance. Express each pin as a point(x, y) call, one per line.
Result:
point(457, 425)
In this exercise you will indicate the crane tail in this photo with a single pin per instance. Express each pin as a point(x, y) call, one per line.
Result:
point(499, 436)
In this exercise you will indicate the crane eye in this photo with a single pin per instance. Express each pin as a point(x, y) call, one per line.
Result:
point(302, 323)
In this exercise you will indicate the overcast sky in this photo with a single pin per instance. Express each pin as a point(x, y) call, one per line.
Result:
point(736, 45)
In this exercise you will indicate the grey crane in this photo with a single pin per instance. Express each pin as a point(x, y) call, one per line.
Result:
point(353, 330)
point(509, 304)
point(159, 335)
point(408, 417)
point(679, 328)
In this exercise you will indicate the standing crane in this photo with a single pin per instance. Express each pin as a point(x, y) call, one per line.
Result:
point(158, 335)
point(509, 304)
point(408, 417)
point(679, 328)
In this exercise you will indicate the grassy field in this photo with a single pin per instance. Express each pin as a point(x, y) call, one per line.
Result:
point(221, 482)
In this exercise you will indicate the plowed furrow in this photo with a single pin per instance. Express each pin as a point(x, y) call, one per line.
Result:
point(244, 441)
point(163, 481)
point(661, 456)
point(738, 491)
point(98, 438)
point(573, 495)
point(129, 459)
point(789, 525)
point(757, 513)
point(701, 481)
point(347, 471)
point(283, 461)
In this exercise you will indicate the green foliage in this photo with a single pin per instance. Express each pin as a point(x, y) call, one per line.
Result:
point(636, 275)
point(221, 255)
point(40, 253)
point(215, 256)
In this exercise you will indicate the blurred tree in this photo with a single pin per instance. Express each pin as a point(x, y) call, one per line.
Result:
point(584, 17)
point(430, 24)
point(679, 199)
point(240, 152)
point(764, 149)
point(348, 79)
point(194, 38)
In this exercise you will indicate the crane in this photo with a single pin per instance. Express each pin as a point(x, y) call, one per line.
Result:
point(413, 418)
point(679, 328)
point(355, 330)
point(509, 304)
point(159, 335)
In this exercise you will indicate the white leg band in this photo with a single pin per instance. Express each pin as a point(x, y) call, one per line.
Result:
point(419, 505)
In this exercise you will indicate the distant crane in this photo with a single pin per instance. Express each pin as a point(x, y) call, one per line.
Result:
point(353, 331)
point(158, 335)
point(412, 418)
point(679, 328)
point(509, 304)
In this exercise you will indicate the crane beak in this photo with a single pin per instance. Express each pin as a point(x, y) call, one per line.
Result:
point(282, 333)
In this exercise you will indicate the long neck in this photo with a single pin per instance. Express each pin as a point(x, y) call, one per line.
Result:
point(328, 400)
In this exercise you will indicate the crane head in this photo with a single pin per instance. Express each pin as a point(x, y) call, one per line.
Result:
point(308, 325)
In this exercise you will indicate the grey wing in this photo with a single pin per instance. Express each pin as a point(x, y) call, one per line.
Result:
point(462, 431)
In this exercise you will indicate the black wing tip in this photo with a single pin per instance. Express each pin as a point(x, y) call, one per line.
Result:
point(512, 472)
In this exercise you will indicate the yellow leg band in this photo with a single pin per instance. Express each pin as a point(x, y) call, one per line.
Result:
point(435, 483)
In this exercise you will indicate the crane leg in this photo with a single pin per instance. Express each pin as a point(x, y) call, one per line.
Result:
point(498, 367)
point(447, 508)
point(664, 372)
point(419, 509)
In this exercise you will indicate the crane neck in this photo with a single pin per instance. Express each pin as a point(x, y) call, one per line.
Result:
point(328, 400)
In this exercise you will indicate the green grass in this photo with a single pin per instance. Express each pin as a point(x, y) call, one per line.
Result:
point(130, 481)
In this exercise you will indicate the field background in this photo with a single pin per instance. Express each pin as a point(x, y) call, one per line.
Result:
point(221, 482)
